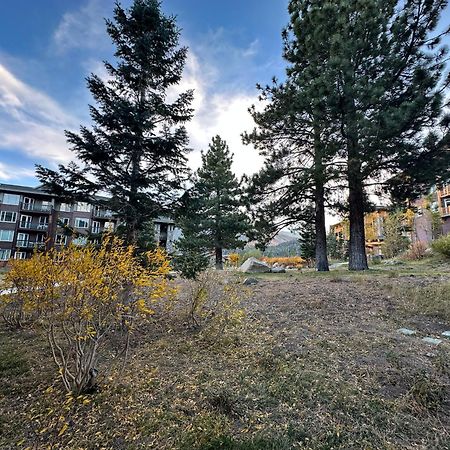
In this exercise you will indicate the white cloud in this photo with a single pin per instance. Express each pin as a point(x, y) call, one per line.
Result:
point(32, 122)
point(222, 113)
point(11, 173)
point(83, 28)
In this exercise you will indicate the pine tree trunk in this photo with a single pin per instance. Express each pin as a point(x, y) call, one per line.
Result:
point(357, 245)
point(321, 235)
point(319, 214)
point(219, 258)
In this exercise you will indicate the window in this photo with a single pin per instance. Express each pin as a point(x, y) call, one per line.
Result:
point(28, 203)
point(83, 206)
point(8, 216)
point(65, 207)
point(5, 254)
point(95, 227)
point(109, 226)
point(65, 221)
point(6, 235)
point(11, 199)
point(43, 223)
point(20, 255)
point(60, 239)
point(22, 238)
point(81, 223)
point(25, 221)
point(81, 240)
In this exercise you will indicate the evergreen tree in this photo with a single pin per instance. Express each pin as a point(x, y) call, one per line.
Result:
point(386, 70)
point(307, 239)
point(295, 135)
point(135, 151)
point(212, 219)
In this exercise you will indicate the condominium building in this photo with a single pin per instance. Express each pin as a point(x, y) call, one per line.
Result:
point(443, 198)
point(31, 218)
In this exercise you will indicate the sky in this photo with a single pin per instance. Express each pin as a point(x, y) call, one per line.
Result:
point(48, 47)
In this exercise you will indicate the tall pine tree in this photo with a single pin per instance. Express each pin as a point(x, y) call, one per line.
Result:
point(135, 150)
point(296, 135)
point(386, 70)
point(213, 219)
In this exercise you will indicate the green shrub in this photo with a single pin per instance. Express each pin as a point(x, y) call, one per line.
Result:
point(442, 246)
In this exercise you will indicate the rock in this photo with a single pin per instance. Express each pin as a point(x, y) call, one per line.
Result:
point(253, 265)
point(172, 275)
point(446, 334)
point(432, 341)
point(250, 281)
point(278, 269)
point(275, 265)
point(406, 331)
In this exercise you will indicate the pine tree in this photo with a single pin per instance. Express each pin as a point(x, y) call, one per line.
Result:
point(213, 219)
point(295, 135)
point(135, 151)
point(387, 69)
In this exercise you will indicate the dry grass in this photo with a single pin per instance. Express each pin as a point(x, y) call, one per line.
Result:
point(318, 364)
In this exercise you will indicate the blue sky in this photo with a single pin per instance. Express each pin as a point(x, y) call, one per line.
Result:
point(48, 47)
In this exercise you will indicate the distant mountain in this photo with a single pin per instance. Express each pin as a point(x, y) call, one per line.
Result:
point(283, 237)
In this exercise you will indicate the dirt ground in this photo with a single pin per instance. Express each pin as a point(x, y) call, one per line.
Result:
point(317, 364)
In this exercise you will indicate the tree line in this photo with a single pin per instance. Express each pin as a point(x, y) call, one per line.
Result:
point(361, 110)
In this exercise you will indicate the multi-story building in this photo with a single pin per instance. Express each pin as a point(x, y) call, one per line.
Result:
point(443, 198)
point(373, 224)
point(31, 218)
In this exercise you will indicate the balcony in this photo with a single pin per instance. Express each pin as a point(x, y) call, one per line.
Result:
point(30, 244)
point(445, 191)
point(445, 211)
point(32, 207)
point(103, 214)
point(33, 226)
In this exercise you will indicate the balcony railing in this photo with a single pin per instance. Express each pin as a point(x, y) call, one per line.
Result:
point(445, 211)
point(30, 244)
point(445, 191)
point(33, 226)
point(32, 207)
point(103, 214)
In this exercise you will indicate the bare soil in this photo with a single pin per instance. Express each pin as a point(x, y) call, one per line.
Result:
point(317, 364)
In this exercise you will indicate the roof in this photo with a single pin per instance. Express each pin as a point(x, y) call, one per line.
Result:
point(23, 189)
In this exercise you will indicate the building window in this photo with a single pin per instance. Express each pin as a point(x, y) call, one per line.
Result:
point(5, 254)
point(95, 227)
point(81, 240)
point(65, 207)
point(25, 221)
point(20, 255)
point(11, 199)
point(65, 221)
point(22, 239)
point(6, 235)
point(83, 206)
point(81, 223)
point(60, 239)
point(8, 216)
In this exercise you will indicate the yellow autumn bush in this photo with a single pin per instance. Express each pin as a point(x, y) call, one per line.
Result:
point(295, 261)
point(81, 296)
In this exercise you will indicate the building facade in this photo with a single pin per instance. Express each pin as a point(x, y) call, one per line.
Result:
point(443, 199)
point(31, 218)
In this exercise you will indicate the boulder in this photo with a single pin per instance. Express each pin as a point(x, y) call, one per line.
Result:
point(278, 269)
point(250, 281)
point(253, 265)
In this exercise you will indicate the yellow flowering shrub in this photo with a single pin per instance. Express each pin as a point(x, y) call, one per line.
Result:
point(80, 296)
point(233, 259)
